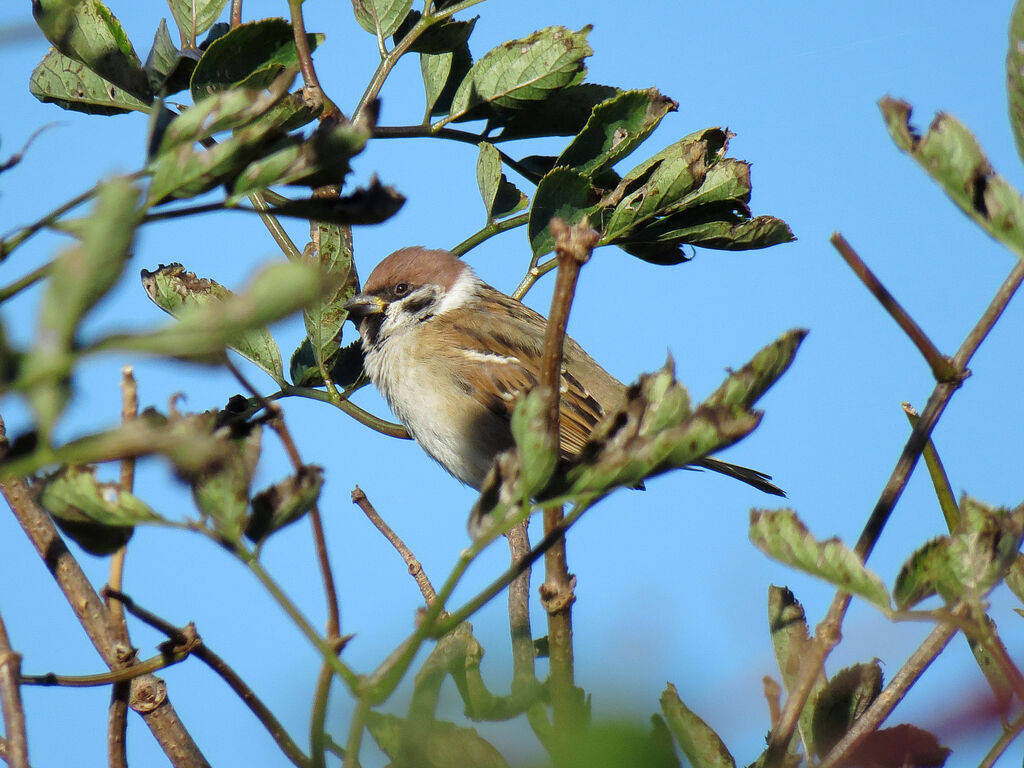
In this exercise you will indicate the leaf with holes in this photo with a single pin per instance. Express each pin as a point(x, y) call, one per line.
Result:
point(71, 85)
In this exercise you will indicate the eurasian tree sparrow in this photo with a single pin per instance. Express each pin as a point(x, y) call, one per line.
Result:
point(451, 354)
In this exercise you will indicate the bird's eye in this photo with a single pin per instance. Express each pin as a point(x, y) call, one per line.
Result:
point(401, 289)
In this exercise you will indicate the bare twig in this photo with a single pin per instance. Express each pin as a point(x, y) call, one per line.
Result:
point(318, 739)
point(355, 733)
point(309, 77)
point(912, 450)
point(149, 694)
point(16, 158)
point(573, 246)
point(414, 566)
point(236, 13)
point(27, 281)
point(10, 699)
point(389, 428)
point(189, 637)
point(1011, 732)
point(942, 366)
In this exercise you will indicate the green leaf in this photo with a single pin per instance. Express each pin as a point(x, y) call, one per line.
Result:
point(952, 157)
point(442, 73)
point(440, 37)
point(746, 386)
point(565, 193)
point(701, 745)
point(381, 17)
point(223, 111)
point(520, 72)
point(86, 31)
point(203, 330)
point(501, 197)
point(168, 69)
point(923, 573)
point(845, 698)
point(781, 536)
point(250, 55)
point(563, 113)
point(331, 248)
point(98, 516)
point(71, 85)
point(321, 159)
point(194, 17)
point(176, 291)
point(615, 128)
point(712, 227)
point(792, 643)
point(283, 503)
point(443, 744)
point(222, 492)
point(1015, 75)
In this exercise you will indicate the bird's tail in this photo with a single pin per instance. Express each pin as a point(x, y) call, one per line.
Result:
point(749, 476)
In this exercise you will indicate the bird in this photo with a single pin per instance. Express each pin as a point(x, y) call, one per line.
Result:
point(451, 355)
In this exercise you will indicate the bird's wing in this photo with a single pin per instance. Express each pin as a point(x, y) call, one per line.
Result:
point(499, 366)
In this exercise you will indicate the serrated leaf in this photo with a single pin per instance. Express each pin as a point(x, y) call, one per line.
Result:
point(203, 330)
point(844, 699)
point(746, 386)
point(701, 745)
point(781, 536)
point(175, 291)
point(194, 17)
point(285, 502)
point(222, 493)
point(321, 159)
point(1015, 75)
point(168, 69)
point(522, 71)
point(250, 55)
point(952, 157)
point(565, 193)
point(71, 85)
point(440, 37)
point(381, 17)
point(331, 249)
point(222, 112)
point(501, 197)
point(616, 127)
point(563, 113)
point(792, 643)
point(86, 31)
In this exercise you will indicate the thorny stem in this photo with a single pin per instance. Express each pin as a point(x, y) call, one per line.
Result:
point(189, 638)
point(277, 423)
point(937, 402)
point(489, 231)
point(414, 565)
point(10, 699)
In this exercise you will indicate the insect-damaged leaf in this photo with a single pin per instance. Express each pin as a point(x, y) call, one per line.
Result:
point(175, 290)
point(285, 502)
point(71, 85)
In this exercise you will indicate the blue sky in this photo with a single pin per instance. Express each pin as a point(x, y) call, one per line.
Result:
point(669, 587)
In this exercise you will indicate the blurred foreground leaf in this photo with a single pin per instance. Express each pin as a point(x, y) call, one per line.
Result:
point(701, 745)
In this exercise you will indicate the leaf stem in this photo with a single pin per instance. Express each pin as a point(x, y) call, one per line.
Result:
point(492, 229)
point(27, 281)
point(363, 417)
point(10, 698)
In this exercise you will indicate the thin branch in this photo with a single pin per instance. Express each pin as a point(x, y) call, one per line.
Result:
point(942, 366)
point(533, 274)
point(489, 231)
point(10, 699)
point(414, 566)
point(573, 246)
point(1011, 732)
point(12, 240)
point(16, 158)
point(236, 13)
point(27, 281)
point(204, 653)
point(355, 733)
point(149, 694)
point(937, 472)
point(318, 739)
point(284, 241)
point(441, 131)
point(117, 713)
point(277, 423)
point(365, 418)
point(912, 450)
point(893, 693)
point(309, 77)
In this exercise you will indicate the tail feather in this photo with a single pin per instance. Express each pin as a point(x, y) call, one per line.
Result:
point(749, 476)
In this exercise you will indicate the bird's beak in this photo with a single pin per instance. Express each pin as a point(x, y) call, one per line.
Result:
point(363, 304)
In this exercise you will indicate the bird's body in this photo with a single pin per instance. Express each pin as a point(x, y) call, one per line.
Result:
point(451, 355)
